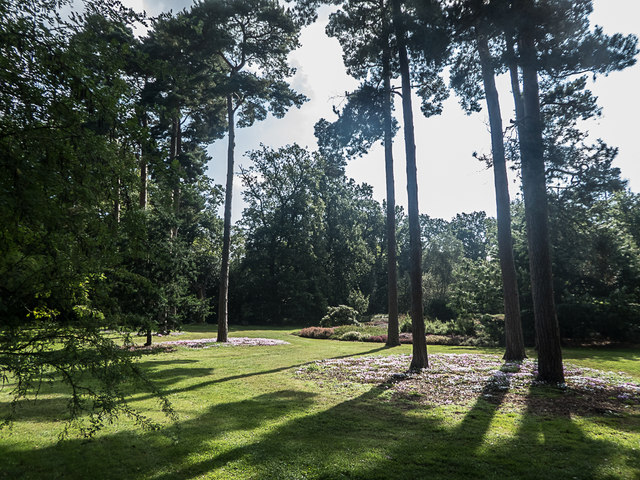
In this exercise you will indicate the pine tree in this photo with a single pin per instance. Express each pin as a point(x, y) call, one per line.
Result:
point(256, 36)
point(476, 32)
point(550, 36)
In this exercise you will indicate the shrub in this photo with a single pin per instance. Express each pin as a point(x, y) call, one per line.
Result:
point(437, 327)
point(617, 321)
point(490, 330)
point(316, 332)
point(406, 338)
point(364, 329)
point(358, 301)
point(340, 315)
point(465, 326)
point(405, 324)
point(438, 308)
point(375, 338)
point(445, 340)
point(351, 337)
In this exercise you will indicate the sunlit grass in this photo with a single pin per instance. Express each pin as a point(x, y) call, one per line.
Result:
point(243, 413)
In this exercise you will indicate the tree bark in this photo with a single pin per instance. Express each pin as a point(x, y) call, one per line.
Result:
point(420, 358)
point(117, 207)
point(536, 212)
point(176, 147)
point(144, 178)
point(144, 175)
point(223, 323)
point(514, 340)
point(393, 329)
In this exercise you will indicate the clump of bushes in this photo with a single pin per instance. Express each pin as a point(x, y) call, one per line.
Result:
point(359, 301)
point(375, 338)
point(351, 337)
point(340, 315)
point(316, 332)
point(479, 330)
point(446, 340)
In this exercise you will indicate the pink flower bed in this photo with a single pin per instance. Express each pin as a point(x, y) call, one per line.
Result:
point(233, 341)
point(464, 378)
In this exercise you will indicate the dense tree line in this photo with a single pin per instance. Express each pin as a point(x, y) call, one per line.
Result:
point(109, 221)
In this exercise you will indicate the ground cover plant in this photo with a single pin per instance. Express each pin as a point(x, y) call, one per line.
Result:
point(244, 412)
point(458, 379)
point(482, 330)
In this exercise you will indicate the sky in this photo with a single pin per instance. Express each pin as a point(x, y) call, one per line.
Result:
point(450, 179)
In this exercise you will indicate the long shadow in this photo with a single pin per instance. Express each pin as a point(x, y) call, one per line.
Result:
point(40, 409)
point(277, 436)
point(132, 455)
point(251, 374)
point(476, 423)
point(560, 448)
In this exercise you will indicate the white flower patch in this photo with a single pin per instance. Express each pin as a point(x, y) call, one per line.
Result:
point(233, 342)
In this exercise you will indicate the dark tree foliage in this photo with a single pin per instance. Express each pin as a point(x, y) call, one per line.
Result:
point(68, 143)
point(312, 237)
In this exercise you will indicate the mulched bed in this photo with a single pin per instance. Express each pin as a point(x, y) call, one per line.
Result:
point(462, 379)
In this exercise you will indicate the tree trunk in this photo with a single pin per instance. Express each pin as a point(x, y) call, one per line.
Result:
point(176, 147)
point(393, 330)
point(514, 339)
point(117, 207)
point(202, 296)
point(420, 359)
point(223, 325)
point(144, 176)
point(536, 211)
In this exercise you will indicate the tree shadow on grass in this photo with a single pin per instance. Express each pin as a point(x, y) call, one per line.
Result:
point(164, 379)
point(133, 455)
point(287, 434)
point(368, 438)
point(243, 376)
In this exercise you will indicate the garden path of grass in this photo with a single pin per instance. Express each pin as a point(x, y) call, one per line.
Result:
point(244, 414)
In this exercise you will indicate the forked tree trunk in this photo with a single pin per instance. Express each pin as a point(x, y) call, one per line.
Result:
point(514, 340)
point(537, 218)
point(420, 359)
point(223, 323)
point(393, 329)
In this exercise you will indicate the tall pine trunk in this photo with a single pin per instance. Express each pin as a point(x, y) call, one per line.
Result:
point(144, 174)
point(223, 322)
point(144, 187)
point(514, 340)
point(176, 147)
point(393, 330)
point(420, 359)
point(117, 205)
point(537, 217)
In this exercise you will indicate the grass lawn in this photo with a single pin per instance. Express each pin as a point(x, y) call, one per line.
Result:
point(244, 413)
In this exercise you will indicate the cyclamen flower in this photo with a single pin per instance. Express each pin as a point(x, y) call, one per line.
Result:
point(233, 341)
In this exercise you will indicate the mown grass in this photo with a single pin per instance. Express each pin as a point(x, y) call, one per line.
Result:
point(244, 414)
